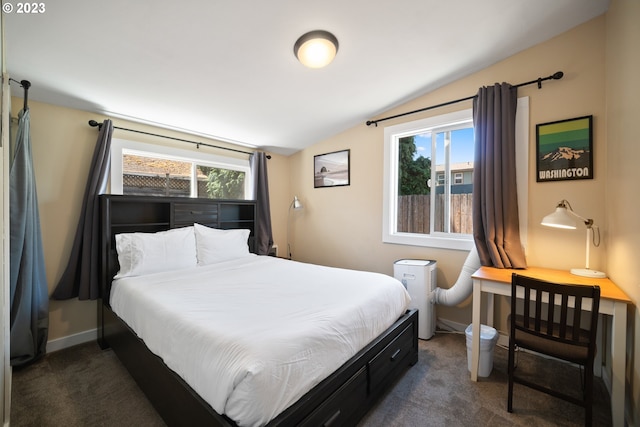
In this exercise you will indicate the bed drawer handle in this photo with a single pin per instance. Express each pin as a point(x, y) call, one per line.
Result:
point(332, 419)
point(196, 212)
point(395, 355)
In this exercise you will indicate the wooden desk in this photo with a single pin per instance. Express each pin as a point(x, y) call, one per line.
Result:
point(613, 302)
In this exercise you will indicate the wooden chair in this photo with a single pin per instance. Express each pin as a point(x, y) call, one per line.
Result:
point(567, 336)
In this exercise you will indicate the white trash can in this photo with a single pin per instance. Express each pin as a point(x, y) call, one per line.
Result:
point(488, 339)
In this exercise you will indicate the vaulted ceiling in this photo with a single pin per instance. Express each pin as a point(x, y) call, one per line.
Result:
point(226, 69)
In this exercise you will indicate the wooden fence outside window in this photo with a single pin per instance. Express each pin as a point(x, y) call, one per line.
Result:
point(414, 213)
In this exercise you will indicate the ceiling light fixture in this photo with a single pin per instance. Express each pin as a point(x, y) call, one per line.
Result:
point(316, 49)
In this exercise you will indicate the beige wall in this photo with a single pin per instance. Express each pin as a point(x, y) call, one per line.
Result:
point(343, 226)
point(63, 144)
point(623, 175)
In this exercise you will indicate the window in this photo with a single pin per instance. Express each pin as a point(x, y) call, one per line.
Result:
point(421, 160)
point(428, 185)
point(145, 169)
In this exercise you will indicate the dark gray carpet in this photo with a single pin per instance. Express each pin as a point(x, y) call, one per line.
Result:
point(85, 386)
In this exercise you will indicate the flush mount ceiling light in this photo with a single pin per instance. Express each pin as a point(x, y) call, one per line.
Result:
point(316, 49)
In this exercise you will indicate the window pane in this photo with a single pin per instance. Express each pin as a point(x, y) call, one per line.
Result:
point(453, 161)
point(149, 176)
point(218, 183)
point(414, 173)
point(442, 141)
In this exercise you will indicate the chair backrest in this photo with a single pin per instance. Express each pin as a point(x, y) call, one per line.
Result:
point(530, 321)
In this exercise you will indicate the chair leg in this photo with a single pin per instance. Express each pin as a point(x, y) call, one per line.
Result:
point(588, 394)
point(510, 369)
point(510, 397)
point(588, 414)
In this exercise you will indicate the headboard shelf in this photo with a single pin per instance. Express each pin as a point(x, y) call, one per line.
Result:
point(134, 224)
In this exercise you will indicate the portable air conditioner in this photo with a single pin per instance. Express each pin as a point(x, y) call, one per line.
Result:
point(419, 278)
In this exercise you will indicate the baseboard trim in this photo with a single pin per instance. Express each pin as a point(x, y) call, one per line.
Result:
point(71, 340)
point(449, 325)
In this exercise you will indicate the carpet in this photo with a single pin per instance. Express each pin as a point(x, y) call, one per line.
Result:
point(87, 386)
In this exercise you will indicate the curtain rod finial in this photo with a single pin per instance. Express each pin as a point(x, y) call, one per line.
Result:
point(558, 75)
point(95, 124)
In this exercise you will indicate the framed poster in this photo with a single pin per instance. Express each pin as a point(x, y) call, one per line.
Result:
point(331, 169)
point(564, 150)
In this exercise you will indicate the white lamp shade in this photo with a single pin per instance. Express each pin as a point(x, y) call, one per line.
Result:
point(559, 219)
point(316, 49)
point(296, 204)
point(565, 217)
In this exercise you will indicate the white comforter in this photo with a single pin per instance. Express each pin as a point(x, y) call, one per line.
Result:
point(254, 334)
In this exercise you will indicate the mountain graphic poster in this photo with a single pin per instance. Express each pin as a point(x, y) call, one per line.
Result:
point(564, 150)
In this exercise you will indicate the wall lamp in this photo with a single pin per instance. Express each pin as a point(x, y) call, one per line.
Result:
point(565, 217)
point(295, 205)
point(316, 49)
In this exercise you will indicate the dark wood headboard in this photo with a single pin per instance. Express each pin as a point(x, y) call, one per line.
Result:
point(149, 214)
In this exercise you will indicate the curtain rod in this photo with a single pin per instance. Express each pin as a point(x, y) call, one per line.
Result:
point(25, 84)
point(94, 124)
point(556, 76)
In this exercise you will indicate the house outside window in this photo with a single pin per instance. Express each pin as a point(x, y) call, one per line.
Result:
point(145, 169)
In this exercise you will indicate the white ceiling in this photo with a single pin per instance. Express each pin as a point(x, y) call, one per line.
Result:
point(226, 68)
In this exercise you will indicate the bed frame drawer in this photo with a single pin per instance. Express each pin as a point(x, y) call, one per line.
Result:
point(344, 407)
point(188, 213)
point(383, 366)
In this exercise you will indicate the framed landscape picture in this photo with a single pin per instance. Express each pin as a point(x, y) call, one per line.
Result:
point(564, 150)
point(331, 169)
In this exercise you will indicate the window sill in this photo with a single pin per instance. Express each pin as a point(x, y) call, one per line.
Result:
point(462, 243)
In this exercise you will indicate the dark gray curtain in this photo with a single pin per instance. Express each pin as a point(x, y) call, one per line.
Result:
point(264, 235)
point(29, 318)
point(496, 227)
point(81, 278)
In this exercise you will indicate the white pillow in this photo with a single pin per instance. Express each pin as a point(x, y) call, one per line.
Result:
point(145, 253)
point(213, 245)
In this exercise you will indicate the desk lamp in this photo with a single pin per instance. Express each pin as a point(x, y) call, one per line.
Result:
point(295, 205)
point(564, 217)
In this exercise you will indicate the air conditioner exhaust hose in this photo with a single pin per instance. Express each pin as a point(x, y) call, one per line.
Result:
point(463, 286)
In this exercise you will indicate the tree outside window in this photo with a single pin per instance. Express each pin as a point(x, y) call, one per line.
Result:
point(223, 183)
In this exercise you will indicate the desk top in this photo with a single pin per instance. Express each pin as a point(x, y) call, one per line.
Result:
point(608, 289)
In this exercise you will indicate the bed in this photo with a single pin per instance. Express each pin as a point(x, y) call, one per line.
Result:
point(339, 383)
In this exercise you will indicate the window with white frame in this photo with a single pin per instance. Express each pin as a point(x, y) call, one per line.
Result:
point(146, 169)
point(428, 170)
